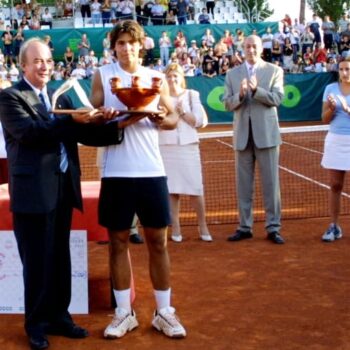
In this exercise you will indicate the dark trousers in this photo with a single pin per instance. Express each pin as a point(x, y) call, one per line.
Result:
point(4, 171)
point(43, 244)
point(85, 11)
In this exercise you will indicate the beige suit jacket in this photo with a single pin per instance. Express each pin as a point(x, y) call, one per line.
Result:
point(261, 108)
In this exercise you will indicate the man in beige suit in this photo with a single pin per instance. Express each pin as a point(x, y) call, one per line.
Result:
point(253, 92)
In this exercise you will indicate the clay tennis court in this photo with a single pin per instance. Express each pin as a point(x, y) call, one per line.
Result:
point(250, 295)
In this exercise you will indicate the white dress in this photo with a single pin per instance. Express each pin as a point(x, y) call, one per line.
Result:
point(180, 150)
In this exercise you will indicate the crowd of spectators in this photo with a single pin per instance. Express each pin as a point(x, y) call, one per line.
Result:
point(313, 46)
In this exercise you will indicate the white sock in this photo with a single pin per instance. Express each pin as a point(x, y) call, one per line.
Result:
point(122, 298)
point(162, 298)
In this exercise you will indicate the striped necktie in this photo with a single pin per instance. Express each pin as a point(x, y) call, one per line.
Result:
point(64, 156)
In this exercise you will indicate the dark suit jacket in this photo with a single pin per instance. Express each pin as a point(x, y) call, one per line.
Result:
point(33, 148)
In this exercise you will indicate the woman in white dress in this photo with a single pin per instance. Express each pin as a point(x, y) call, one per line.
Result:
point(180, 152)
point(336, 112)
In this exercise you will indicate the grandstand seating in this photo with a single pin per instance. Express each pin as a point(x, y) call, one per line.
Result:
point(224, 12)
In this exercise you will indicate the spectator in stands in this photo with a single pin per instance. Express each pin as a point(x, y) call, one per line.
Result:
point(308, 55)
point(286, 22)
point(276, 52)
point(298, 65)
point(309, 66)
point(106, 58)
point(180, 39)
point(191, 9)
point(320, 54)
point(300, 27)
point(24, 24)
point(343, 22)
point(307, 40)
point(106, 12)
point(68, 57)
point(336, 111)
point(14, 73)
point(95, 12)
point(267, 39)
point(49, 43)
point(85, 9)
point(210, 7)
point(170, 18)
point(106, 42)
point(147, 12)
point(180, 50)
point(238, 41)
point(193, 51)
point(331, 65)
point(91, 59)
point(182, 11)
point(329, 30)
point(59, 8)
point(157, 12)
point(344, 46)
point(148, 46)
point(210, 58)
point(4, 73)
point(208, 37)
point(17, 12)
point(164, 46)
point(287, 55)
point(114, 10)
point(204, 18)
point(159, 67)
point(224, 65)
point(315, 26)
point(34, 23)
point(229, 41)
point(17, 43)
point(7, 40)
point(180, 153)
point(220, 49)
point(127, 8)
point(188, 67)
point(79, 72)
point(58, 73)
point(46, 18)
point(68, 9)
point(254, 101)
point(172, 5)
point(84, 46)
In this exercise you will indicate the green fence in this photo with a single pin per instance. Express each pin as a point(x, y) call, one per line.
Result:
point(302, 102)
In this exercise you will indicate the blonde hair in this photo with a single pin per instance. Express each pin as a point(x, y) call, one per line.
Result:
point(175, 67)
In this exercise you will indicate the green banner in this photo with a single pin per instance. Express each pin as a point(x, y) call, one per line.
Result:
point(61, 38)
point(302, 101)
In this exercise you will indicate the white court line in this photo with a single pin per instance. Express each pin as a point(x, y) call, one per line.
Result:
point(298, 174)
point(301, 147)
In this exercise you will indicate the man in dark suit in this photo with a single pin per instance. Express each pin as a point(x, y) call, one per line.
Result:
point(253, 91)
point(44, 188)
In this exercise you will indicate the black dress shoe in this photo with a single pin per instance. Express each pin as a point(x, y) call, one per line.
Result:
point(38, 341)
point(239, 235)
point(275, 237)
point(69, 330)
point(136, 238)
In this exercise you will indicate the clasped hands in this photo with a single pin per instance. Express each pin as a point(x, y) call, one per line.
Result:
point(248, 85)
point(332, 103)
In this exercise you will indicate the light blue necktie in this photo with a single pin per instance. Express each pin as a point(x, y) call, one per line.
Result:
point(64, 156)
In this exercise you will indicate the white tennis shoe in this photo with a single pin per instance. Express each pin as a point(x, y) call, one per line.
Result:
point(167, 322)
point(122, 323)
point(333, 232)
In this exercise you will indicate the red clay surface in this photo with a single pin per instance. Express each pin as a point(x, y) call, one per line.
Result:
point(250, 295)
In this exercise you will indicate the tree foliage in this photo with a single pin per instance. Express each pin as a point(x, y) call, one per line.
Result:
point(255, 10)
point(333, 8)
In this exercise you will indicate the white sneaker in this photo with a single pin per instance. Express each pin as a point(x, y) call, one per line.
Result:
point(176, 237)
point(333, 232)
point(167, 322)
point(122, 322)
